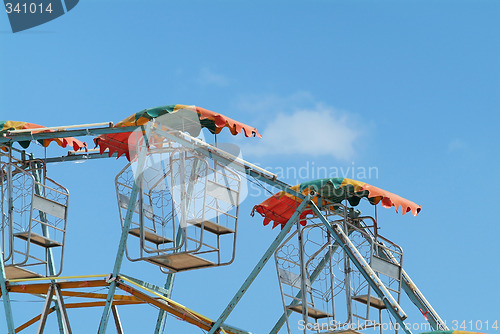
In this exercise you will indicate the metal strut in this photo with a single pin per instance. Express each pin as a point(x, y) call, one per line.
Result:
point(3, 279)
point(258, 267)
point(45, 231)
point(417, 297)
point(5, 297)
point(370, 276)
point(169, 284)
point(324, 261)
point(54, 289)
point(125, 230)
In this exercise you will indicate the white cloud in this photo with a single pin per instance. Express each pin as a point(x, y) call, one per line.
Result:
point(208, 77)
point(317, 130)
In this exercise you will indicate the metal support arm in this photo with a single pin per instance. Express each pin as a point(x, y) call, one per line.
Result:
point(258, 267)
point(125, 230)
point(370, 276)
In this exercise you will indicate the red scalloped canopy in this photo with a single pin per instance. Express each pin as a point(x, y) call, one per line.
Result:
point(214, 122)
point(63, 142)
point(280, 207)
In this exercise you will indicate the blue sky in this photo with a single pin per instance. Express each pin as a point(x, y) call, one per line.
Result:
point(410, 88)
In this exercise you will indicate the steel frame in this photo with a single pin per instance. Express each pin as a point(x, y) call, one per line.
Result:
point(141, 292)
point(324, 261)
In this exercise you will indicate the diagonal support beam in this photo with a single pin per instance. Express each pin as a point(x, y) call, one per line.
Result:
point(364, 268)
point(62, 309)
point(162, 314)
point(169, 284)
point(73, 305)
point(173, 308)
point(324, 261)
point(258, 267)
point(141, 161)
point(33, 320)
point(3, 279)
point(416, 296)
point(37, 174)
point(419, 300)
point(46, 309)
point(5, 297)
point(225, 158)
point(118, 323)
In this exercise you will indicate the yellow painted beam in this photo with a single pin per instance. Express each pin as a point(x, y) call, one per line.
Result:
point(32, 321)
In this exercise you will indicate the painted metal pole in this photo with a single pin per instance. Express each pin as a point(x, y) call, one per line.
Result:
point(225, 158)
point(60, 301)
point(10, 208)
point(162, 315)
point(419, 300)
point(3, 279)
point(347, 282)
point(37, 173)
point(141, 160)
point(324, 261)
point(169, 284)
point(62, 134)
point(118, 323)
point(6, 299)
point(46, 307)
point(417, 297)
point(303, 277)
point(258, 267)
point(370, 276)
